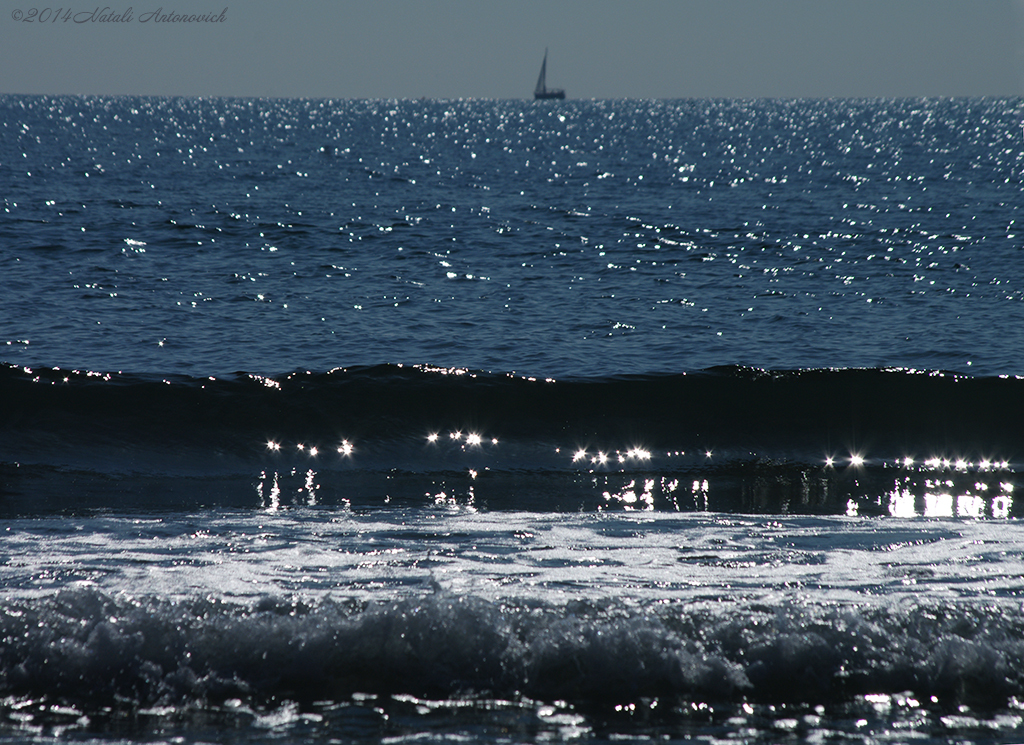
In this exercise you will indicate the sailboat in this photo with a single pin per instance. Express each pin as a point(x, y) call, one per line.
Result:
point(542, 90)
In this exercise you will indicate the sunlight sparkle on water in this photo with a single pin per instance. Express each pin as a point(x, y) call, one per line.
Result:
point(944, 497)
point(935, 505)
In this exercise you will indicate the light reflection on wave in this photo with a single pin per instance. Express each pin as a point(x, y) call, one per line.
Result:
point(947, 497)
point(636, 478)
point(469, 473)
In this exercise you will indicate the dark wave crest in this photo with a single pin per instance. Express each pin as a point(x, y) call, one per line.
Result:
point(91, 650)
point(803, 441)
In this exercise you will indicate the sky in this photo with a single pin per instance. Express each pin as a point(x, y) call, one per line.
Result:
point(493, 48)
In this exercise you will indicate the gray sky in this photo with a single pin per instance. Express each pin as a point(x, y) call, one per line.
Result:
point(493, 48)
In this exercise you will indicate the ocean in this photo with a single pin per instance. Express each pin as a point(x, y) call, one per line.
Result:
point(503, 421)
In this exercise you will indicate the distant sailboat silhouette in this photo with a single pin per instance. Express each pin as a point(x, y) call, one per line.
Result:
point(542, 91)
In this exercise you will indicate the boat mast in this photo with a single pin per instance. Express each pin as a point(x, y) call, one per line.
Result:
point(542, 78)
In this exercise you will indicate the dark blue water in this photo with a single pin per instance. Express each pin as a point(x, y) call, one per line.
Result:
point(510, 421)
point(586, 238)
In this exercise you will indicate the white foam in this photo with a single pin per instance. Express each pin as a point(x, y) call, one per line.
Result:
point(551, 558)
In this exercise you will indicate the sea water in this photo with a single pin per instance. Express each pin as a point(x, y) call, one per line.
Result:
point(504, 421)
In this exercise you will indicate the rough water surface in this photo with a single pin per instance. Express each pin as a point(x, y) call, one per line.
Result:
point(498, 421)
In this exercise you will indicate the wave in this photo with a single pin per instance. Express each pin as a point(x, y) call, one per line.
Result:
point(91, 650)
point(731, 439)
